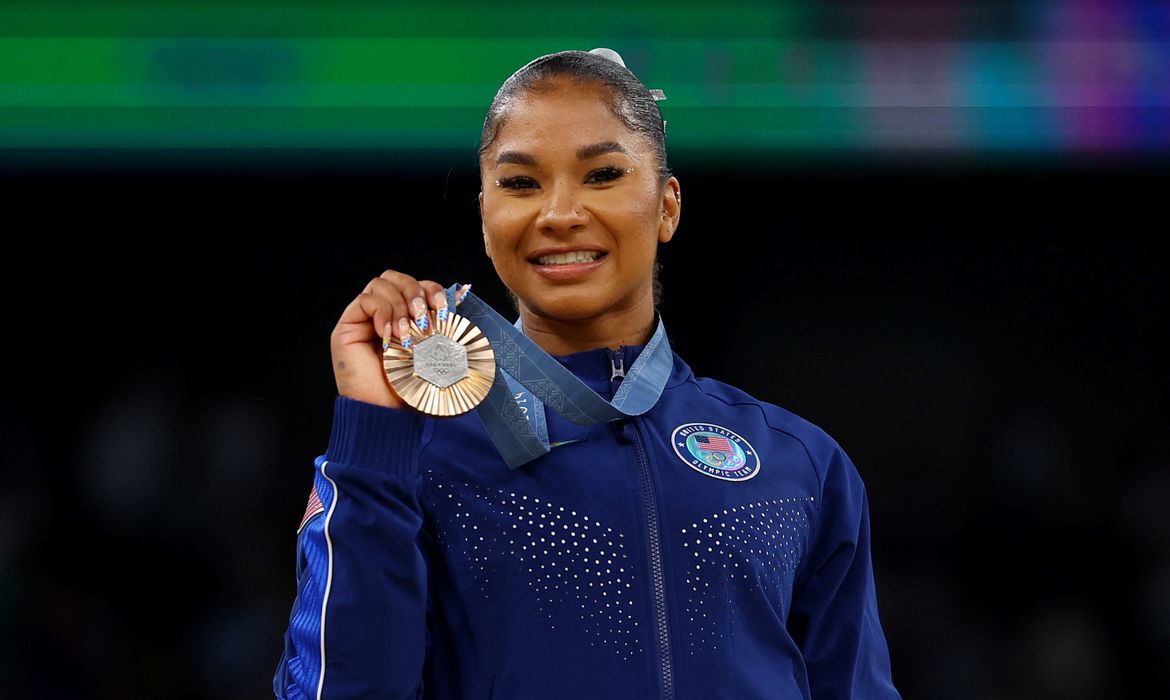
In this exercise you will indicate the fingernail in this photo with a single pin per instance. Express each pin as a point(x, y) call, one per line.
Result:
point(403, 329)
point(462, 292)
point(408, 342)
point(419, 306)
point(386, 337)
point(441, 311)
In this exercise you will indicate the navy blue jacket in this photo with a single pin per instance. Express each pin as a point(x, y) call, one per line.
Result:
point(715, 547)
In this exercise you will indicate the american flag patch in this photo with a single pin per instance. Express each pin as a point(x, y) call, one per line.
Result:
point(312, 509)
point(716, 444)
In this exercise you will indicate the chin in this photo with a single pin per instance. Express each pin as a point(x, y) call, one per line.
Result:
point(569, 312)
point(566, 306)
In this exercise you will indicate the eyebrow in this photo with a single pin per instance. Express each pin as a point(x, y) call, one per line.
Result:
point(515, 157)
point(597, 149)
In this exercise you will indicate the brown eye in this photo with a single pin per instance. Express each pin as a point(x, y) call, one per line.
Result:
point(606, 174)
point(519, 182)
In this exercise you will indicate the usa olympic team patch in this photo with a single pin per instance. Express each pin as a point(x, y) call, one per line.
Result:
point(715, 451)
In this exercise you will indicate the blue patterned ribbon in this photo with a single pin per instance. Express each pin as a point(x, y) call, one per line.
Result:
point(527, 378)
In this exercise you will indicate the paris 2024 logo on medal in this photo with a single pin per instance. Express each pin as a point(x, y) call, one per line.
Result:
point(715, 451)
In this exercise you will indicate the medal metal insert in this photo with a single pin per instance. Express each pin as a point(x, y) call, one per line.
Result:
point(440, 360)
point(447, 368)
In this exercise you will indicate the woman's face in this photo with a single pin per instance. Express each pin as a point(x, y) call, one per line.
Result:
point(572, 209)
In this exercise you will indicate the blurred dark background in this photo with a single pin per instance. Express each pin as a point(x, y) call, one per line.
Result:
point(977, 313)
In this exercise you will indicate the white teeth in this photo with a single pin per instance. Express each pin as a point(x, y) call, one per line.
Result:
point(565, 258)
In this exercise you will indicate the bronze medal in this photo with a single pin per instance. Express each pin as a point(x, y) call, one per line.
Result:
point(444, 368)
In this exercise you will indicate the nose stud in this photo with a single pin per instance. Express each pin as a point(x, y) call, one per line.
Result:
point(574, 211)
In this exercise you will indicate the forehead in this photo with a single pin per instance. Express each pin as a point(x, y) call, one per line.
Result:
point(561, 115)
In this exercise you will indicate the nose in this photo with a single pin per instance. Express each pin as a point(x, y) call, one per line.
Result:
point(562, 211)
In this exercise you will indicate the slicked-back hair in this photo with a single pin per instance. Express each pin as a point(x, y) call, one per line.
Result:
point(627, 97)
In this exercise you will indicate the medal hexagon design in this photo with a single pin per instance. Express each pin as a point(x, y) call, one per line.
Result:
point(440, 360)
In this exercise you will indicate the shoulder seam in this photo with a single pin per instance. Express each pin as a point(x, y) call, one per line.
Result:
point(757, 404)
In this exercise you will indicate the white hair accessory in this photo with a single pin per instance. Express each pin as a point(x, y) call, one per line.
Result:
point(610, 54)
point(616, 58)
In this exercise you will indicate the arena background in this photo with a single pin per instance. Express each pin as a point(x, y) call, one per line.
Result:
point(935, 229)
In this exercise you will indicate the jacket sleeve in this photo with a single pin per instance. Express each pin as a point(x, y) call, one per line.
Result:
point(834, 614)
point(358, 627)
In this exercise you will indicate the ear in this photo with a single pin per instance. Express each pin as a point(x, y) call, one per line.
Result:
point(486, 248)
point(670, 211)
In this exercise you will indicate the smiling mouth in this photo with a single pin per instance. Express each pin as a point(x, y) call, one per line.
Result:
point(577, 256)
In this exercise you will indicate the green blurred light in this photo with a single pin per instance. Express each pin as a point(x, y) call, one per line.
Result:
point(757, 78)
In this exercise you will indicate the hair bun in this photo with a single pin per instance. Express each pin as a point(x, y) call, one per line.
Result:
point(610, 54)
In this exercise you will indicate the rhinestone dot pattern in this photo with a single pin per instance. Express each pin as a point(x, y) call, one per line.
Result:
point(734, 556)
point(562, 559)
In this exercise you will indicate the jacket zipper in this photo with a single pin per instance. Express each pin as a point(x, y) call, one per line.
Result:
point(617, 364)
point(630, 430)
point(655, 567)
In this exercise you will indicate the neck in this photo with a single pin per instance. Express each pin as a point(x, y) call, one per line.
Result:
point(633, 326)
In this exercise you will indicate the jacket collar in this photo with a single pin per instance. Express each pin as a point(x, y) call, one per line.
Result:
point(596, 367)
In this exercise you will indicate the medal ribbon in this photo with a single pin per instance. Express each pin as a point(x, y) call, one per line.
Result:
point(527, 378)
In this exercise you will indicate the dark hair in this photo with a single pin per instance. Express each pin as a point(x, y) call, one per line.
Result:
point(629, 100)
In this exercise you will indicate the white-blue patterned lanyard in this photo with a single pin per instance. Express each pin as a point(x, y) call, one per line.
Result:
point(527, 377)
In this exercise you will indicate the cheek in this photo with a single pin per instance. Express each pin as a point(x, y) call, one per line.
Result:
point(637, 225)
point(505, 224)
point(644, 208)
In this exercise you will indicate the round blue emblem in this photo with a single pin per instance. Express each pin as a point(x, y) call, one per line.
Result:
point(715, 451)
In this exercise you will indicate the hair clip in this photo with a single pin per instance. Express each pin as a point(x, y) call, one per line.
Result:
point(610, 54)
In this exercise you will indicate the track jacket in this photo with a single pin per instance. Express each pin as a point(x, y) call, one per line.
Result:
point(716, 546)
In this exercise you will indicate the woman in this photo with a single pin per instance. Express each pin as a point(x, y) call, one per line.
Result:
point(714, 546)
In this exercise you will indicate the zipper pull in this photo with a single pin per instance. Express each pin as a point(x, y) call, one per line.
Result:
point(618, 363)
point(625, 431)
